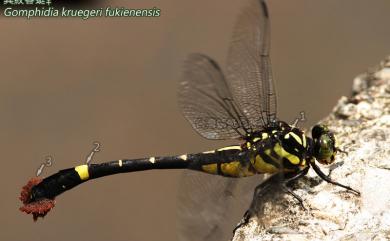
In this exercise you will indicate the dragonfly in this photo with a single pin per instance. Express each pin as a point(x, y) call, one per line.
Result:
point(239, 104)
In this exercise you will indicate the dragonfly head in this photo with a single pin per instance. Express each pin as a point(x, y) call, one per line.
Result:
point(324, 148)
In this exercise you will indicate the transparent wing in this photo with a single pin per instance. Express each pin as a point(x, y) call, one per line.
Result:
point(249, 67)
point(211, 206)
point(207, 102)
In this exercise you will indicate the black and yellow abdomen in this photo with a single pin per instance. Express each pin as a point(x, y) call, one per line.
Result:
point(278, 149)
point(229, 161)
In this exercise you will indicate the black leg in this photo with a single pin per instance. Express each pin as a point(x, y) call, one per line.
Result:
point(262, 188)
point(296, 196)
point(243, 221)
point(327, 179)
point(291, 179)
point(342, 151)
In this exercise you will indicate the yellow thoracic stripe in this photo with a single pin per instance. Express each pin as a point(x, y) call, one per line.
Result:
point(256, 139)
point(304, 140)
point(283, 153)
point(82, 171)
point(303, 162)
point(295, 136)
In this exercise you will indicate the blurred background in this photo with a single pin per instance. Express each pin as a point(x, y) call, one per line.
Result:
point(65, 83)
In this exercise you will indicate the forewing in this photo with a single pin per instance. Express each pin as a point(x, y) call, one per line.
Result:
point(249, 68)
point(207, 102)
point(211, 206)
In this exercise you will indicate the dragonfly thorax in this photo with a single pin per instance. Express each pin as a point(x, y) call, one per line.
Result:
point(279, 148)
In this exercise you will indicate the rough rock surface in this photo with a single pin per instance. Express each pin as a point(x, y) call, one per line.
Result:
point(362, 127)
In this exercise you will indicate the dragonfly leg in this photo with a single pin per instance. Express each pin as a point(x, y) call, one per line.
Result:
point(327, 179)
point(243, 221)
point(260, 190)
point(291, 179)
point(264, 187)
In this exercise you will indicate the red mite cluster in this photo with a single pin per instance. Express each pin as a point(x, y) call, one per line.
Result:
point(38, 208)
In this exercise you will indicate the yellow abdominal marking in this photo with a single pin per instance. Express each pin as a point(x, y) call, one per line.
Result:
point(264, 135)
point(304, 140)
point(152, 159)
point(120, 163)
point(261, 166)
point(231, 169)
point(235, 169)
point(210, 168)
point(82, 171)
point(183, 157)
point(230, 148)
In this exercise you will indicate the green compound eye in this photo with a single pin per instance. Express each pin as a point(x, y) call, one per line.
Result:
point(324, 144)
point(326, 150)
